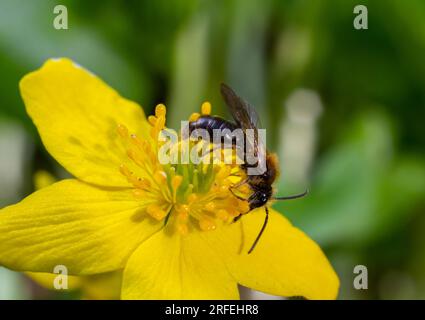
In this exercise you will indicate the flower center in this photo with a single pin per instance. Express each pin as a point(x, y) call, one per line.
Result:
point(185, 196)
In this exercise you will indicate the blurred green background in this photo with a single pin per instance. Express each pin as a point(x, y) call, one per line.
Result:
point(344, 108)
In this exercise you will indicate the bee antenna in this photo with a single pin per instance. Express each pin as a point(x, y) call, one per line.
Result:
point(261, 231)
point(295, 196)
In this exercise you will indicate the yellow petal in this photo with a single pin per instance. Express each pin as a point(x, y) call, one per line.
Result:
point(104, 286)
point(43, 179)
point(175, 267)
point(77, 116)
point(87, 229)
point(47, 280)
point(286, 262)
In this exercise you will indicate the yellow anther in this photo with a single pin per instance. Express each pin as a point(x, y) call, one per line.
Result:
point(227, 182)
point(152, 120)
point(160, 176)
point(206, 108)
point(153, 159)
point(124, 170)
point(154, 133)
point(146, 147)
point(130, 153)
point(210, 206)
point(160, 123)
point(138, 193)
point(142, 183)
point(244, 188)
point(122, 130)
point(135, 156)
point(176, 181)
point(160, 110)
point(222, 215)
point(137, 141)
point(223, 173)
point(233, 211)
point(156, 212)
point(207, 224)
point(194, 116)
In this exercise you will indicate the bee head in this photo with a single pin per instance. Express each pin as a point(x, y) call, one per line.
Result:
point(268, 175)
point(259, 199)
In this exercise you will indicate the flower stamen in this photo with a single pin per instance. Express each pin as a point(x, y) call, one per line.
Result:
point(187, 196)
point(206, 108)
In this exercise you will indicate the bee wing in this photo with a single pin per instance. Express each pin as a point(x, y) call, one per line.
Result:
point(242, 112)
point(245, 117)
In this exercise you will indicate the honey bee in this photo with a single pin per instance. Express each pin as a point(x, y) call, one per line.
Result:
point(245, 117)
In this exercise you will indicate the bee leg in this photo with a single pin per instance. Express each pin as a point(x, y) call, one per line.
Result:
point(218, 147)
point(234, 194)
point(239, 197)
point(237, 186)
point(242, 182)
point(266, 219)
point(212, 149)
point(238, 217)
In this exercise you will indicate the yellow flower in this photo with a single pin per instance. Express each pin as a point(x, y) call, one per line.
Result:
point(104, 286)
point(167, 227)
